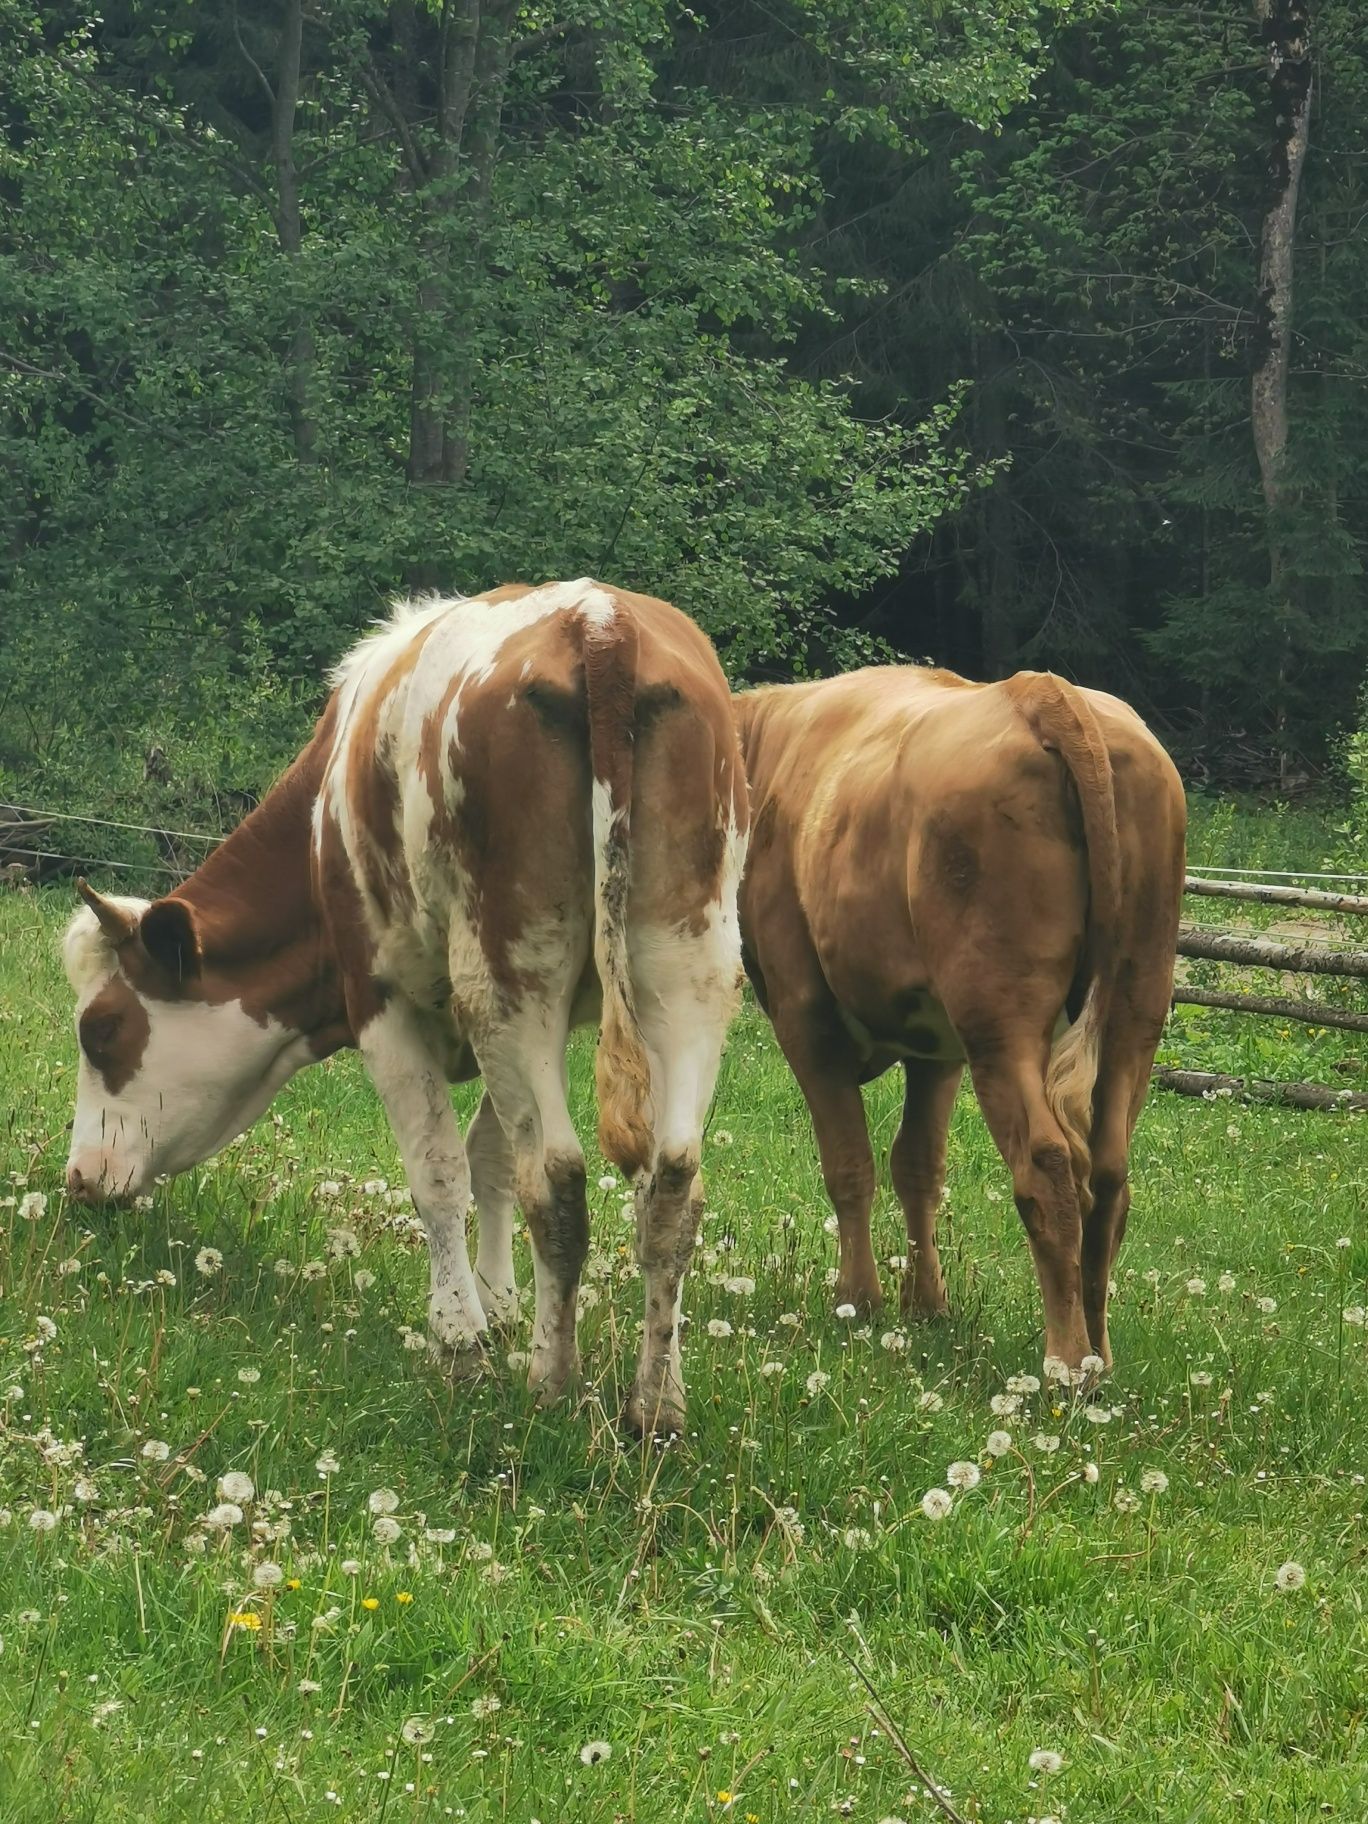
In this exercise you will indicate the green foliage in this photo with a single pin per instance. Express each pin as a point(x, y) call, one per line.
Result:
point(206, 424)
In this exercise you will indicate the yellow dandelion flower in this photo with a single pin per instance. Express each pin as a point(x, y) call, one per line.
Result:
point(724, 1797)
point(293, 1583)
point(245, 1618)
point(404, 1596)
point(370, 1602)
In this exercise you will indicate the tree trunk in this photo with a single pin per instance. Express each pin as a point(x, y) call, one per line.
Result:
point(1285, 28)
point(289, 223)
point(482, 145)
point(459, 46)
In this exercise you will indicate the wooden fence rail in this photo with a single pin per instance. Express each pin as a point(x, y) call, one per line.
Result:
point(1261, 895)
point(1264, 953)
point(1255, 952)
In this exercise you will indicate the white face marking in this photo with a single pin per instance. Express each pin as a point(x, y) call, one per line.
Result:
point(205, 1074)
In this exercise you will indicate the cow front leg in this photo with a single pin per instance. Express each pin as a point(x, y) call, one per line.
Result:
point(408, 1076)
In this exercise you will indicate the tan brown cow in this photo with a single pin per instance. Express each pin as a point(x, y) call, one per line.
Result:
point(943, 872)
point(513, 808)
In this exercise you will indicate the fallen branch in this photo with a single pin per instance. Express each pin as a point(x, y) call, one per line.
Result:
point(1283, 1007)
point(1262, 953)
point(1257, 1089)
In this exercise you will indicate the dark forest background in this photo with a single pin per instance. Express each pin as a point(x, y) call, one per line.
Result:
point(1002, 335)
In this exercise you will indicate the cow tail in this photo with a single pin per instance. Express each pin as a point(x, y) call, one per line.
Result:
point(621, 1068)
point(1063, 721)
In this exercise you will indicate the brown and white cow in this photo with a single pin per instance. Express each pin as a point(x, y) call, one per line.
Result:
point(943, 872)
point(515, 808)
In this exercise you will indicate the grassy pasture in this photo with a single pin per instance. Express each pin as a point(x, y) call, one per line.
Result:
point(710, 1611)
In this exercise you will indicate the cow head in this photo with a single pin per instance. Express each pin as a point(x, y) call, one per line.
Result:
point(173, 1066)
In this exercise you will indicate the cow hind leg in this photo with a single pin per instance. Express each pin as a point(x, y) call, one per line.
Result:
point(1120, 1095)
point(1009, 1081)
point(686, 989)
point(918, 1167)
point(820, 1057)
point(522, 1059)
point(491, 1174)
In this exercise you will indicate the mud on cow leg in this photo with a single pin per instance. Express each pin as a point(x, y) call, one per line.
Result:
point(558, 1222)
point(669, 1208)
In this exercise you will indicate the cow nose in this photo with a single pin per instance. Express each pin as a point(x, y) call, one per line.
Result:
point(79, 1189)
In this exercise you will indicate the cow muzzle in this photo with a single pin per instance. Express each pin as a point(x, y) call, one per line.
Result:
point(96, 1184)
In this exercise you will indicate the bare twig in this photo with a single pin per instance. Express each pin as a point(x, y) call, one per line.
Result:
point(880, 1714)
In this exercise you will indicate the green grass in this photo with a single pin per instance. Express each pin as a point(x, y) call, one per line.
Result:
point(662, 1600)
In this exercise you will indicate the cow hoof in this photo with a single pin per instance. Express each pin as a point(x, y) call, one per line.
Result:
point(465, 1360)
point(867, 1300)
point(548, 1376)
point(919, 1312)
point(662, 1419)
point(501, 1306)
point(924, 1307)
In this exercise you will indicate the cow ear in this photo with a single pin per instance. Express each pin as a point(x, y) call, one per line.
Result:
point(170, 938)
